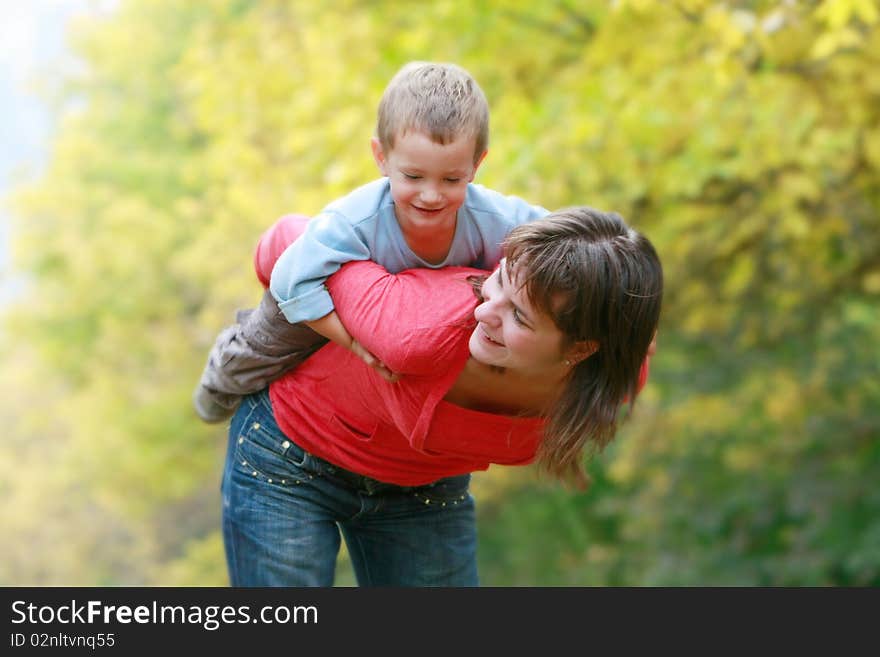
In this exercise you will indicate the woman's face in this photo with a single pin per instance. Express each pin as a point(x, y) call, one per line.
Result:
point(510, 332)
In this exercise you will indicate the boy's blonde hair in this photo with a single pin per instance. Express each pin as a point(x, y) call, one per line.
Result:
point(441, 100)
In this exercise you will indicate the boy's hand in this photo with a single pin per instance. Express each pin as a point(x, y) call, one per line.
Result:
point(373, 362)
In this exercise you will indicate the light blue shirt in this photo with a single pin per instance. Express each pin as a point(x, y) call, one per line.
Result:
point(362, 226)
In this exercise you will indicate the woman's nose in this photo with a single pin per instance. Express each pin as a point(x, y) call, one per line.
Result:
point(486, 313)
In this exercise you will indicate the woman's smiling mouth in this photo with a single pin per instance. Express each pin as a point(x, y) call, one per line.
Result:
point(489, 338)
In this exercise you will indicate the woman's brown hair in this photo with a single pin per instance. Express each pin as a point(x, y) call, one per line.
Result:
point(601, 281)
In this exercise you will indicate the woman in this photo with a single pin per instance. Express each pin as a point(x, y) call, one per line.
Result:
point(538, 366)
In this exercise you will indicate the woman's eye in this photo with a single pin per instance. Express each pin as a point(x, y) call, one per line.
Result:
point(517, 318)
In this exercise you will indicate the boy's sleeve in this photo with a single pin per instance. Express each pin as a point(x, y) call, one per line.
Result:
point(523, 212)
point(495, 216)
point(297, 280)
point(274, 241)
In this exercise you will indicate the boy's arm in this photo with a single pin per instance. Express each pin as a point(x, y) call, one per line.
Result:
point(298, 277)
point(298, 280)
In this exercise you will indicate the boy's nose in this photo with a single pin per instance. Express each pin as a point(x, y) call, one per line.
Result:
point(431, 195)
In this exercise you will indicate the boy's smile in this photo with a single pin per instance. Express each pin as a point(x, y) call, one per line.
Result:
point(428, 182)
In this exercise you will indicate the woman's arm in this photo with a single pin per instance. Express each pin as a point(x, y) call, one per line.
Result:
point(404, 319)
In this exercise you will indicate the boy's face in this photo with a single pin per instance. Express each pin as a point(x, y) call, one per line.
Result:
point(428, 180)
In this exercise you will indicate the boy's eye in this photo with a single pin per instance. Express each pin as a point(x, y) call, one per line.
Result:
point(453, 180)
point(411, 176)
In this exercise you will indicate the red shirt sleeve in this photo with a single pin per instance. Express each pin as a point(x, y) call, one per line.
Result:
point(643, 374)
point(643, 378)
point(273, 243)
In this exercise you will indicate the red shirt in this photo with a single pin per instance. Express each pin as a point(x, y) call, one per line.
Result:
point(418, 323)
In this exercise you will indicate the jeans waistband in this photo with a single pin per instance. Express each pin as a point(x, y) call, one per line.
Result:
point(352, 479)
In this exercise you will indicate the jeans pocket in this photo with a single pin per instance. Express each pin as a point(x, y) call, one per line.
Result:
point(269, 455)
point(449, 490)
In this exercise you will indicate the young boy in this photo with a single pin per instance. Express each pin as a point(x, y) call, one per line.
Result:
point(431, 137)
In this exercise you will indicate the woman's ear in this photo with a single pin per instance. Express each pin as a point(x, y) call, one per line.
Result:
point(581, 351)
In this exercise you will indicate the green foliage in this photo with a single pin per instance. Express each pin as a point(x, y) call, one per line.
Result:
point(741, 137)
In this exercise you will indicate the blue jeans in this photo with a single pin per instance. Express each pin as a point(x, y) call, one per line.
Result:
point(285, 509)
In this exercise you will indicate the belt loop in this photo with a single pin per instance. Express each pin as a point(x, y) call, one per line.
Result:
point(371, 485)
point(264, 399)
point(309, 462)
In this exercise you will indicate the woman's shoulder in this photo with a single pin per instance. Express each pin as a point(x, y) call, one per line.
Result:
point(415, 298)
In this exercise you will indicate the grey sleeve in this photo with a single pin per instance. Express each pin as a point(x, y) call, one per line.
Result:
point(248, 356)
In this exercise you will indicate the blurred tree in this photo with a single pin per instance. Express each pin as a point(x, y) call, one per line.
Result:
point(743, 138)
point(740, 136)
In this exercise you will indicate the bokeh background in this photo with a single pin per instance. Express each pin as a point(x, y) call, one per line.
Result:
point(742, 137)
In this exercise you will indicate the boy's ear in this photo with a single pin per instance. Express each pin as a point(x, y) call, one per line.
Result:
point(378, 154)
point(477, 164)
